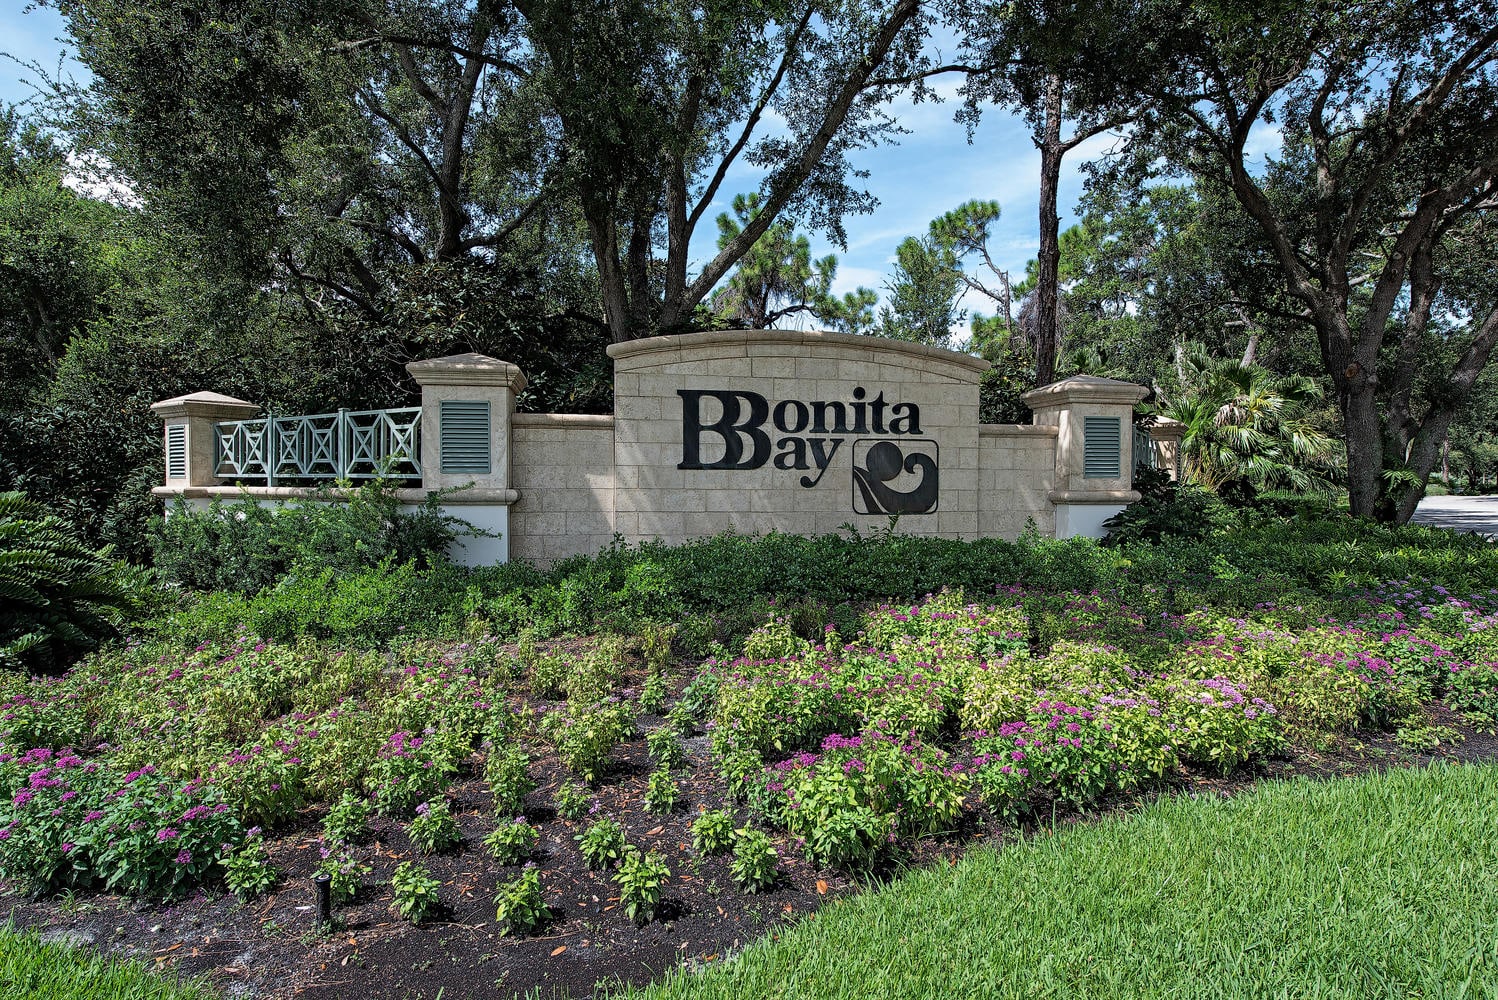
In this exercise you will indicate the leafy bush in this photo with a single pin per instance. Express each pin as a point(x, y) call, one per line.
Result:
point(68, 822)
point(346, 874)
point(585, 738)
point(434, 829)
point(511, 843)
point(712, 832)
point(58, 597)
point(521, 904)
point(1474, 688)
point(248, 872)
point(508, 773)
point(245, 546)
point(641, 879)
point(602, 844)
point(666, 749)
point(347, 820)
point(572, 800)
point(410, 770)
point(415, 892)
point(754, 860)
point(661, 792)
point(1178, 511)
point(653, 694)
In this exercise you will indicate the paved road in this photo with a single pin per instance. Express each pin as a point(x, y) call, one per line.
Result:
point(1479, 514)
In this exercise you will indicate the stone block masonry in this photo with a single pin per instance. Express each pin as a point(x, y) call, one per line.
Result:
point(750, 431)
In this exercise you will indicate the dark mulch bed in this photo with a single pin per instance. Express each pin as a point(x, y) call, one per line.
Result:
point(269, 948)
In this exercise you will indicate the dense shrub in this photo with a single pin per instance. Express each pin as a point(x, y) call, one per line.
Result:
point(245, 546)
point(58, 597)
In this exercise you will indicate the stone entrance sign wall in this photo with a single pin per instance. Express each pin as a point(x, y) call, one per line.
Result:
point(751, 431)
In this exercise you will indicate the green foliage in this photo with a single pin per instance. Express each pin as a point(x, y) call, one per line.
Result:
point(665, 748)
point(778, 279)
point(572, 800)
point(712, 832)
point(585, 737)
point(754, 861)
point(346, 874)
point(58, 597)
point(511, 843)
point(602, 844)
point(434, 829)
point(641, 879)
point(662, 793)
point(1171, 511)
point(521, 904)
point(245, 547)
point(248, 872)
point(593, 676)
point(507, 772)
point(347, 821)
point(415, 892)
point(1474, 688)
point(653, 694)
point(34, 968)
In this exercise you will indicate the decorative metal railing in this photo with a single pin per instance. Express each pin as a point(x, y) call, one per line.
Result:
point(1144, 449)
point(349, 444)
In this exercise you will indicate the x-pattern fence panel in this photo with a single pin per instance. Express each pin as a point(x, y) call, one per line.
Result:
point(349, 444)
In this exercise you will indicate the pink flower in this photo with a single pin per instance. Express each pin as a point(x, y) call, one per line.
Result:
point(184, 857)
point(166, 834)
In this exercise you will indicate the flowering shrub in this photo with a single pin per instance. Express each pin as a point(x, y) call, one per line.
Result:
point(346, 873)
point(1474, 688)
point(585, 738)
point(602, 844)
point(348, 819)
point(754, 858)
point(665, 749)
point(71, 822)
point(521, 906)
point(434, 829)
point(858, 795)
point(508, 773)
point(661, 792)
point(410, 770)
point(641, 879)
point(510, 843)
point(248, 872)
point(571, 800)
point(712, 832)
point(415, 892)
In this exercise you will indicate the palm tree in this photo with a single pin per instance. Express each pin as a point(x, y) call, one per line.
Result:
point(1245, 425)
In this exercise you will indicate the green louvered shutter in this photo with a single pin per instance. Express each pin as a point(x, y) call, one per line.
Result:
point(176, 451)
point(1101, 447)
point(464, 437)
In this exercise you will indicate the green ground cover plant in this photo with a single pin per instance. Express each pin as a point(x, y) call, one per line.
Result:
point(1375, 886)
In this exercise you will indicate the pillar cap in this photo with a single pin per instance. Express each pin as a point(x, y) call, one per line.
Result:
point(1085, 389)
point(212, 405)
point(468, 369)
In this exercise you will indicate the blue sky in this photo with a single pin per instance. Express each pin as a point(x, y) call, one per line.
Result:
point(932, 170)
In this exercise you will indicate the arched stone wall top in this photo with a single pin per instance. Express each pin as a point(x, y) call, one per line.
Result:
point(658, 352)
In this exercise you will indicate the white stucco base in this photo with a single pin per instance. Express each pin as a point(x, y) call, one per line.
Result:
point(1084, 520)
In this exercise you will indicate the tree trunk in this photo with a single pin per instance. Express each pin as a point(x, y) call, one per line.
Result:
point(1049, 259)
point(1365, 449)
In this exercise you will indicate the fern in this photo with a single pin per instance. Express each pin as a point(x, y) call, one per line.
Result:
point(58, 597)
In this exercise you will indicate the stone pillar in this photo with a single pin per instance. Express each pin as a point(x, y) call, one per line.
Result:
point(1167, 435)
point(467, 410)
point(1094, 418)
point(191, 443)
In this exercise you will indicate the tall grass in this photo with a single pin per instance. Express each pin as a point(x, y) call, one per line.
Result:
point(37, 970)
point(1383, 886)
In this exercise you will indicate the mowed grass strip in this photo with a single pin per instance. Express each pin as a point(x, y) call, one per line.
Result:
point(34, 970)
point(1380, 886)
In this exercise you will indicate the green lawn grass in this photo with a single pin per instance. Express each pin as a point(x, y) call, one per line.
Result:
point(1382, 886)
point(33, 970)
